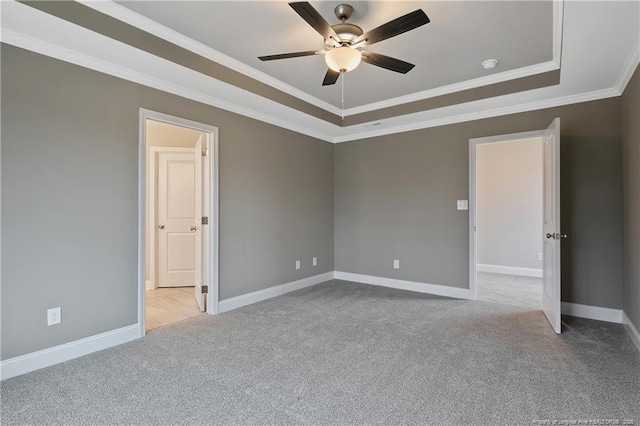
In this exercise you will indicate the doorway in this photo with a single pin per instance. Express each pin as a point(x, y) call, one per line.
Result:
point(514, 220)
point(509, 222)
point(178, 259)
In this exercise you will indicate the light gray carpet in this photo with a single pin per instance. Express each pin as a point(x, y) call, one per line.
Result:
point(344, 353)
point(525, 292)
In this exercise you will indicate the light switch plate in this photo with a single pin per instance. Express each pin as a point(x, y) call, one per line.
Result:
point(463, 204)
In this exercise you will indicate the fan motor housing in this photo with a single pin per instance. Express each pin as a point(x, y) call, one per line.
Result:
point(347, 32)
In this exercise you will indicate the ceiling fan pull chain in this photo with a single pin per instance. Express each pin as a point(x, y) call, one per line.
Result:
point(342, 75)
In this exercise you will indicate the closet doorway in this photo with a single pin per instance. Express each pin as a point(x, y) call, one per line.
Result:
point(180, 256)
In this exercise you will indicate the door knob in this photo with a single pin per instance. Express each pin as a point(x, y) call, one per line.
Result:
point(193, 228)
point(556, 235)
point(161, 226)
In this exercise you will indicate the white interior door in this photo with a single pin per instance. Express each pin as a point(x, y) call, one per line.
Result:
point(176, 215)
point(199, 277)
point(206, 212)
point(551, 225)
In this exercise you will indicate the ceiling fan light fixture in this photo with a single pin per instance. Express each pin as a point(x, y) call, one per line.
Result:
point(343, 59)
point(343, 40)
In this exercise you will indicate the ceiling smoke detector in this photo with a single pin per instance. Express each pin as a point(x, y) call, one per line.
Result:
point(489, 64)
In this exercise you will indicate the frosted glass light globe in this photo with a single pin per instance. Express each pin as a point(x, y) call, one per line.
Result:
point(343, 59)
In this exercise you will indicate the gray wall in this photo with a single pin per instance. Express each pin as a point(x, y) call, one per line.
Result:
point(631, 188)
point(69, 200)
point(509, 203)
point(395, 198)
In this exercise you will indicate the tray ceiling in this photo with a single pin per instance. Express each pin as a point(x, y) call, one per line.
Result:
point(551, 54)
point(447, 51)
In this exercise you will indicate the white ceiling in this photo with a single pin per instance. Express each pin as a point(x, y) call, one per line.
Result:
point(600, 50)
point(448, 50)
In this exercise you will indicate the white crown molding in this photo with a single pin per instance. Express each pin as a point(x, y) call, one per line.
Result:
point(114, 10)
point(629, 68)
point(479, 115)
point(558, 20)
point(435, 289)
point(457, 87)
point(36, 360)
point(64, 54)
point(121, 13)
point(35, 45)
point(227, 305)
point(632, 330)
point(592, 312)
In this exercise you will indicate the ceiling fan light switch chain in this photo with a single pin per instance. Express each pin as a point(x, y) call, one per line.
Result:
point(342, 102)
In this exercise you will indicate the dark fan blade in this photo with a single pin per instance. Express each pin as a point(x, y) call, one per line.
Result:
point(313, 18)
point(290, 55)
point(330, 77)
point(382, 61)
point(396, 27)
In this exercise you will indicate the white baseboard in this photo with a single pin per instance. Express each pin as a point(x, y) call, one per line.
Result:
point(278, 290)
point(439, 290)
point(592, 312)
point(632, 330)
point(148, 285)
point(510, 270)
point(36, 360)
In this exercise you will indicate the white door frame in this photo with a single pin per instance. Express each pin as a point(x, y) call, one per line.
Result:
point(154, 152)
point(213, 295)
point(473, 244)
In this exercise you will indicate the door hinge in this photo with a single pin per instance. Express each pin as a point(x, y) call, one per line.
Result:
point(205, 220)
point(205, 289)
point(204, 152)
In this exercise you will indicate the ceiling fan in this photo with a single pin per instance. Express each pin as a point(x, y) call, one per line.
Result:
point(344, 41)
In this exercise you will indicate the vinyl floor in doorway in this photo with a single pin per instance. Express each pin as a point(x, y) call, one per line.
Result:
point(169, 305)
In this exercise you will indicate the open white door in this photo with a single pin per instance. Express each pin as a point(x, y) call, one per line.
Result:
point(205, 233)
point(200, 151)
point(551, 225)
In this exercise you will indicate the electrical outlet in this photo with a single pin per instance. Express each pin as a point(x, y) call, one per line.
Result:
point(463, 204)
point(396, 264)
point(54, 316)
point(297, 264)
point(314, 261)
point(540, 257)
